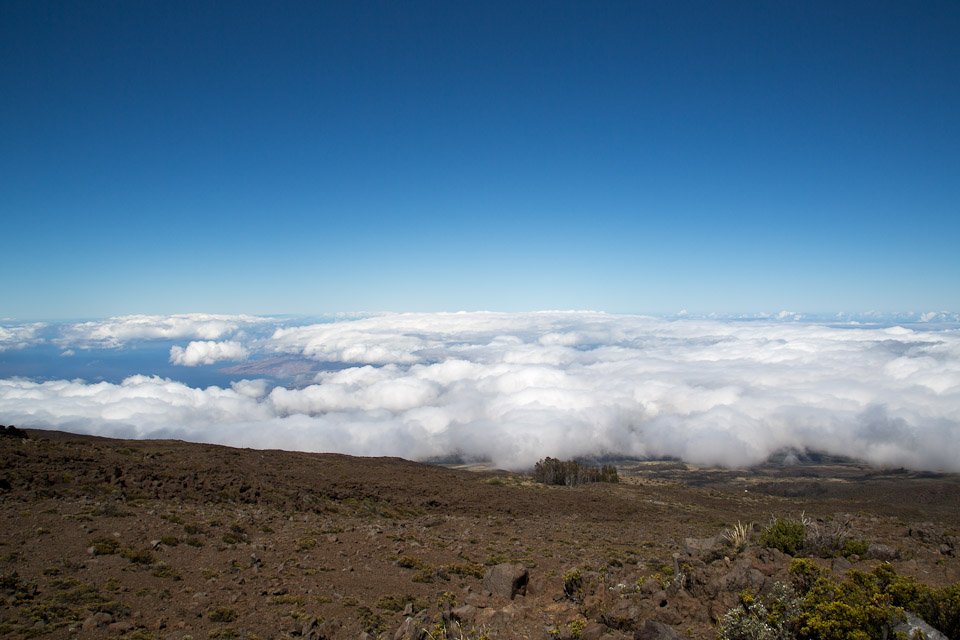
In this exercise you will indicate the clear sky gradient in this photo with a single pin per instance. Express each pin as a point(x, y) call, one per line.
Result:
point(162, 157)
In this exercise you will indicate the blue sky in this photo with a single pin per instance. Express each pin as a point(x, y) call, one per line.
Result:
point(163, 157)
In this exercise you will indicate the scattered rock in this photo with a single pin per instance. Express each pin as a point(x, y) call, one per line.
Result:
point(624, 615)
point(464, 613)
point(410, 629)
point(506, 580)
point(742, 576)
point(308, 627)
point(702, 546)
point(653, 630)
point(594, 631)
point(120, 627)
point(97, 620)
point(840, 566)
point(882, 552)
point(913, 624)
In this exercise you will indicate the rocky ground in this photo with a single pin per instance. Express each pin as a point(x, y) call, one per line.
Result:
point(160, 539)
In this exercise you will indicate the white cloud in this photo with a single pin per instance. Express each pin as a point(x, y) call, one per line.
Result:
point(20, 335)
point(115, 332)
point(207, 352)
point(515, 387)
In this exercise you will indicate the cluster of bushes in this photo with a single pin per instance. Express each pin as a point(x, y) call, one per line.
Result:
point(864, 605)
point(804, 535)
point(570, 472)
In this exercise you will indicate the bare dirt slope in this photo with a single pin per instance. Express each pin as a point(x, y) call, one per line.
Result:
point(162, 539)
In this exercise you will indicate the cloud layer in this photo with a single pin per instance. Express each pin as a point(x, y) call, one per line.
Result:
point(117, 331)
point(207, 352)
point(512, 388)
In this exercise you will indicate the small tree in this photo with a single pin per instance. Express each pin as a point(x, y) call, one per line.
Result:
point(569, 472)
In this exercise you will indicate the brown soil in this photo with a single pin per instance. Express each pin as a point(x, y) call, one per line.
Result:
point(161, 539)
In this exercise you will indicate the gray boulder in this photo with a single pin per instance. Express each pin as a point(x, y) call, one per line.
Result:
point(913, 624)
point(703, 546)
point(506, 580)
point(882, 552)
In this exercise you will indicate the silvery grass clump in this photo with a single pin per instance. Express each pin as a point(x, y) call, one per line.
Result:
point(738, 536)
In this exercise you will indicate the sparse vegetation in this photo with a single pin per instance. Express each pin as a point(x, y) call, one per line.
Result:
point(105, 546)
point(411, 562)
point(165, 571)
point(576, 627)
point(397, 603)
point(138, 556)
point(235, 535)
point(370, 621)
point(305, 544)
point(466, 569)
point(573, 585)
point(222, 614)
point(602, 560)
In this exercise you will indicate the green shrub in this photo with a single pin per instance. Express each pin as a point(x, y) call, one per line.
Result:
point(805, 573)
point(937, 606)
point(370, 621)
point(785, 535)
point(222, 614)
point(231, 537)
point(105, 546)
point(854, 548)
point(863, 606)
point(576, 627)
point(573, 585)
point(855, 609)
point(165, 571)
point(397, 603)
point(305, 544)
point(411, 562)
point(466, 569)
point(138, 556)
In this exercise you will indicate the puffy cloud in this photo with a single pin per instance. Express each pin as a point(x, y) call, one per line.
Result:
point(512, 388)
point(207, 352)
point(116, 331)
point(20, 335)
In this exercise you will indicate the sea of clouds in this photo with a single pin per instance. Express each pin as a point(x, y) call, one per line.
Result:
point(514, 387)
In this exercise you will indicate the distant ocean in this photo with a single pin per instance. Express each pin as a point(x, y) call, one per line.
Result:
point(46, 362)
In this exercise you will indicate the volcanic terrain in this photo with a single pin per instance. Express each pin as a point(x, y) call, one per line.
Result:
point(172, 540)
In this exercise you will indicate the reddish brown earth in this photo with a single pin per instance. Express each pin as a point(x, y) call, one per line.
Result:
point(161, 539)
